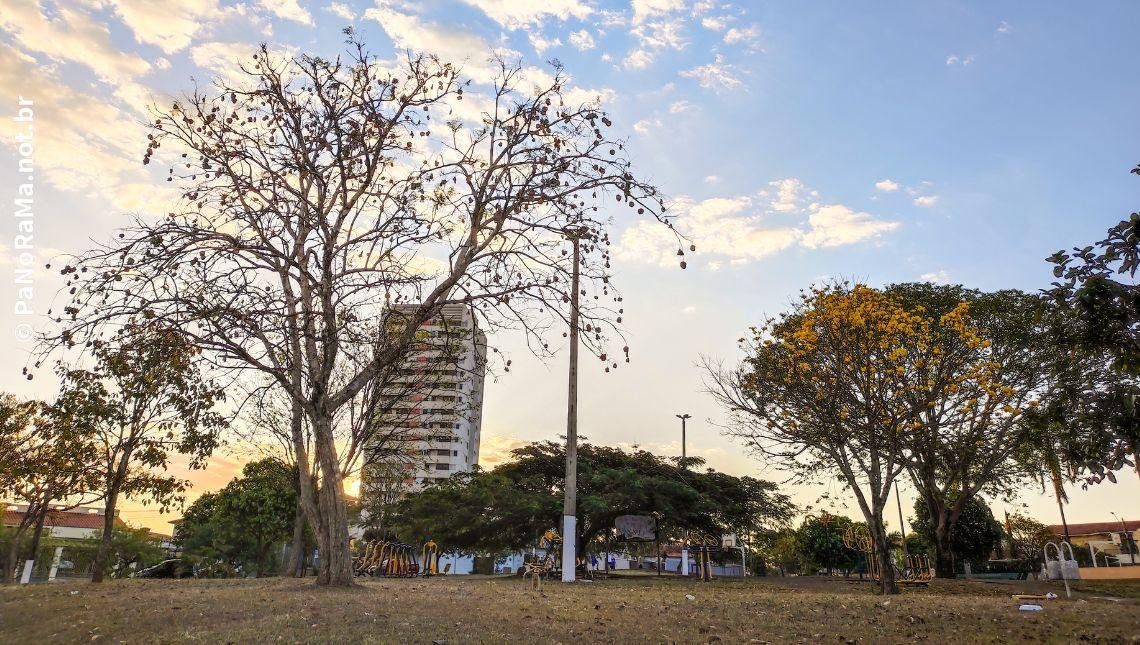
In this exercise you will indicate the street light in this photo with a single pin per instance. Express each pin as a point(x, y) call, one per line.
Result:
point(570, 500)
point(684, 545)
point(1129, 541)
point(683, 418)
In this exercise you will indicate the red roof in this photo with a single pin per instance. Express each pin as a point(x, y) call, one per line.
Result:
point(64, 519)
point(1092, 528)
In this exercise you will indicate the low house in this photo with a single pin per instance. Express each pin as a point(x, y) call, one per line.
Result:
point(79, 523)
point(1110, 538)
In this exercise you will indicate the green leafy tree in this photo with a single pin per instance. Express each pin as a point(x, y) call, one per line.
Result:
point(508, 507)
point(143, 400)
point(243, 522)
point(1027, 538)
point(132, 546)
point(819, 541)
point(1097, 285)
point(45, 465)
point(975, 535)
point(779, 551)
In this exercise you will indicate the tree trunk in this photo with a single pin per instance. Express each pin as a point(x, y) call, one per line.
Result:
point(943, 553)
point(12, 573)
point(306, 483)
point(883, 555)
point(336, 561)
point(294, 557)
point(37, 532)
point(101, 555)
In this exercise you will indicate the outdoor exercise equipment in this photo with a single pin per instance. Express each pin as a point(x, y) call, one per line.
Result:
point(397, 560)
point(1061, 567)
point(700, 549)
point(429, 558)
point(858, 538)
point(537, 569)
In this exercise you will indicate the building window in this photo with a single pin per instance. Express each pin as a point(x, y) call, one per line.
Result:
point(443, 466)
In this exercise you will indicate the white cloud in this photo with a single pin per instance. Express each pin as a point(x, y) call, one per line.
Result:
point(661, 34)
point(452, 44)
point(72, 36)
point(703, 6)
point(789, 195)
point(937, 277)
point(93, 146)
point(714, 265)
point(712, 179)
point(887, 185)
point(954, 59)
point(716, 23)
point(638, 59)
point(749, 35)
point(838, 225)
point(223, 59)
point(1004, 28)
point(288, 10)
point(643, 9)
point(582, 40)
point(645, 126)
point(170, 26)
point(680, 107)
point(746, 228)
point(542, 43)
point(341, 10)
point(515, 14)
point(926, 201)
point(717, 75)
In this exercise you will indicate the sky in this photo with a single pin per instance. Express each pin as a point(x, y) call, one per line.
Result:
point(798, 142)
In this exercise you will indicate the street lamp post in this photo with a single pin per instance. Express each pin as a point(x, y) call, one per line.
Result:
point(570, 501)
point(683, 418)
point(684, 545)
point(1127, 538)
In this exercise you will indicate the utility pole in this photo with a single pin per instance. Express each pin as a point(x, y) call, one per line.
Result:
point(685, 543)
point(570, 501)
point(902, 525)
point(683, 418)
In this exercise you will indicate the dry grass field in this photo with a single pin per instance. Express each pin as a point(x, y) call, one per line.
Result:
point(491, 610)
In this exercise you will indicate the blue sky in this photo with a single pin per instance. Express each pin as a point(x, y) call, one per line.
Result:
point(943, 141)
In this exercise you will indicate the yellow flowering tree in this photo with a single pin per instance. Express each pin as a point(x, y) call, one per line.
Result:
point(986, 367)
point(866, 384)
point(826, 389)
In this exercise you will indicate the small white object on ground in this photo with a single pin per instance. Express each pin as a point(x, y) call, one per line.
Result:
point(1050, 595)
point(1031, 608)
point(690, 596)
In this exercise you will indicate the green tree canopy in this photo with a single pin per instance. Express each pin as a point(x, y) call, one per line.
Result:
point(509, 507)
point(974, 536)
point(819, 541)
point(241, 523)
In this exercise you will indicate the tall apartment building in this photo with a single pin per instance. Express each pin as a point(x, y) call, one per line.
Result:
point(434, 408)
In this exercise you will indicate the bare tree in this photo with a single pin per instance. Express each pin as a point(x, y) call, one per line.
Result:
point(317, 193)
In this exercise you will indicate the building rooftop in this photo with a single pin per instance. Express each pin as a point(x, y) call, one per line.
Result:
point(1094, 528)
point(79, 518)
